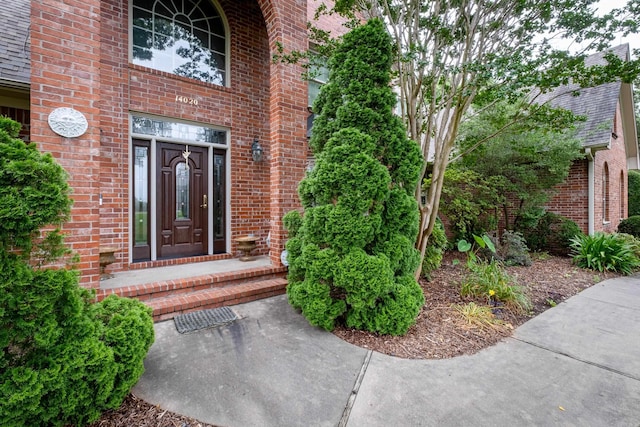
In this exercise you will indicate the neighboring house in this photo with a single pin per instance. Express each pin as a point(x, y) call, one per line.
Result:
point(15, 63)
point(176, 95)
point(595, 193)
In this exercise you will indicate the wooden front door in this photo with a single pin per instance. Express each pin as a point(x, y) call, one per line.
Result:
point(182, 203)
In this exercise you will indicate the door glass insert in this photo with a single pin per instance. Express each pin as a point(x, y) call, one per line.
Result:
point(182, 191)
point(141, 196)
point(218, 196)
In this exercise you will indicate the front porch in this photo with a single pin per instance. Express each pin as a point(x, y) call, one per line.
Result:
point(177, 289)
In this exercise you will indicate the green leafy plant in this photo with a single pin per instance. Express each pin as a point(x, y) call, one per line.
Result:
point(633, 193)
point(435, 248)
point(552, 233)
point(489, 280)
point(630, 226)
point(512, 249)
point(63, 359)
point(351, 253)
point(605, 252)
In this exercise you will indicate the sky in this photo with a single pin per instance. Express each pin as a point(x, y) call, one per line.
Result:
point(605, 6)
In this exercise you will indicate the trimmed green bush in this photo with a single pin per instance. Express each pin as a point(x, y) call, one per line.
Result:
point(605, 252)
point(64, 360)
point(351, 254)
point(552, 233)
point(633, 193)
point(630, 225)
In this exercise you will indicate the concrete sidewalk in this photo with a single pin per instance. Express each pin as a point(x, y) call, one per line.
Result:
point(576, 364)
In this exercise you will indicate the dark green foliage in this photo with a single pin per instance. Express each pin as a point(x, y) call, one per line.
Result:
point(435, 248)
point(33, 190)
point(512, 249)
point(351, 254)
point(605, 252)
point(488, 279)
point(551, 233)
point(630, 225)
point(469, 201)
point(633, 193)
point(512, 157)
point(63, 360)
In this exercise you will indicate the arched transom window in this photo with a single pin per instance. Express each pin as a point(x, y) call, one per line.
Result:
point(182, 37)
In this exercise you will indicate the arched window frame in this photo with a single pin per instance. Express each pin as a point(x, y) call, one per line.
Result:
point(151, 7)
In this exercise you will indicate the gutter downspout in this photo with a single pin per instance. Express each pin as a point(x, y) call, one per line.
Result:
point(592, 186)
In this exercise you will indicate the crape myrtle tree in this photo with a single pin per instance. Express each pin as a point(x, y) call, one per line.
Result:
point(63, 358)
point(351, 254)
point(450, 52)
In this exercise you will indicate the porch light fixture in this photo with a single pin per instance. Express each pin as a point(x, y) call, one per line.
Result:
point(256, 150)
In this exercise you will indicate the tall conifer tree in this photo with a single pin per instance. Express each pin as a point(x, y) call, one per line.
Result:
point(351, 253)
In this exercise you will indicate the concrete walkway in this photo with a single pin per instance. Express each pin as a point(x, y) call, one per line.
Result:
point(577, 364)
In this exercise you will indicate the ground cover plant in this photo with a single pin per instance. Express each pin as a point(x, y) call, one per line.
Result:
point(605, 252)
point(63, 359)
point(351, 254)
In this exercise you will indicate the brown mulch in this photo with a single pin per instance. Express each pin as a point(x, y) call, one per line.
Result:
point(136, 412)
point(440, 331)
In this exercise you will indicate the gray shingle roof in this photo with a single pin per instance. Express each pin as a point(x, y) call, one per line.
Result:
point(598, 103)
point(15, 56)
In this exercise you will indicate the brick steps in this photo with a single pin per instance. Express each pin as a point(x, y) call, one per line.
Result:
point(169, 298)
point(168, 307)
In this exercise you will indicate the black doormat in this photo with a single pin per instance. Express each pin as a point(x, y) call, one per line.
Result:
point(203, 319)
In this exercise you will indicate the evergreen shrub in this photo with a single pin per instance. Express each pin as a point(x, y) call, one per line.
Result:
point(633, 193)
point(630, 225)
point(552, 233)
point(64, 360)
point(351, 253)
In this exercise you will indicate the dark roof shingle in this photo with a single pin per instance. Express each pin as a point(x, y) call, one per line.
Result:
point(598, 103)
point(15, 65)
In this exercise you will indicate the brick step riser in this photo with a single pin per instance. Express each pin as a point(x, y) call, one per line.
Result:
point(169, 307)
point(177, 287)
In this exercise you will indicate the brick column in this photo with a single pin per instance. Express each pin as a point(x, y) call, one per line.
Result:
point(286, 24)
point(65, 72)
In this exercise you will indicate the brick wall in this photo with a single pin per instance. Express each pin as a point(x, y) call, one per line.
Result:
point(80, 59)
point(65, 72)
point(572, 198)
point(616, 160)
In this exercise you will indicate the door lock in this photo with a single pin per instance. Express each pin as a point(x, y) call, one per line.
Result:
point(204, 201)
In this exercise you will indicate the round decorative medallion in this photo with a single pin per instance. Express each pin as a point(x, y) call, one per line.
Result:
point(68, 122)
point(283, 258)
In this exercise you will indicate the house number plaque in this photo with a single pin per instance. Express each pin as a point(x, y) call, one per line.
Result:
point(186, 100)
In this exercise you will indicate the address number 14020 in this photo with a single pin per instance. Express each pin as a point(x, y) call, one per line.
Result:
point(186, 100)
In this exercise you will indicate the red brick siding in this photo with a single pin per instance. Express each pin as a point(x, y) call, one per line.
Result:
point(616, 161)
point(572, 197)
point(65, 72)
point(80, 59)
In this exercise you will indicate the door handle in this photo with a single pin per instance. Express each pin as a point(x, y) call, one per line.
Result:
point(204, 201)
